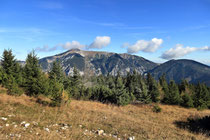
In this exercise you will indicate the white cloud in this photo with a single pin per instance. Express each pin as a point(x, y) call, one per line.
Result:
point(100, 42)
point(72, 45)
point(144, 45)
point(66, 46)
point(206, 48)
point(178, 51)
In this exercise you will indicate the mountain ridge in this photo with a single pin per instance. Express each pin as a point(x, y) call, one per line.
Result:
point(187, 69)
point(98, 62)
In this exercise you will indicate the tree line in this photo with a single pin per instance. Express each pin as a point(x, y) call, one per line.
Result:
point(119, 90)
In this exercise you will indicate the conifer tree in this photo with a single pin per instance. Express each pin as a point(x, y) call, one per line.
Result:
point(153, 88)
point(56, 90)
point(186, 100)
point(75, 83)
point(18, 75)
point(120, 95)
point(33, 76)
point(173, 96)
point(56, 87)
point(8, 67)
point(142, 94)
point(110, 82)
point(201, 97)
point(11, 74)
point(164, 86)
point(8, 62)
point(131, 82)
point(184, 85)
point(57, 72)
point(76, 79)
point(67, 83)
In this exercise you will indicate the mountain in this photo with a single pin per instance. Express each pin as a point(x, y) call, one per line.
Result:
point(96, 63)
point(177, 70)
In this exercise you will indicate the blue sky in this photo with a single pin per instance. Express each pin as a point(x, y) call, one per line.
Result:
point(158, 30)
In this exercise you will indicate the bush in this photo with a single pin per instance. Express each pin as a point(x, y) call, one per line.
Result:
point(15, 90)
point(156, 109)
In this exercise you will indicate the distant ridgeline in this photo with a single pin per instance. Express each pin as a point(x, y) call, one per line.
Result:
point(116, 79)
point(96, 63)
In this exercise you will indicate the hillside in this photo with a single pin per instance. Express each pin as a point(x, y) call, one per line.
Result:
point(96, 63)
point(23, 118)
point(183, 69)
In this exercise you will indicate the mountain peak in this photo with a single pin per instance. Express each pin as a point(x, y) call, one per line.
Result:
point(96, 63)
point(75, 49)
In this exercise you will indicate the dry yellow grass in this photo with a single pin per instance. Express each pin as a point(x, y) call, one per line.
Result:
point(81, 117)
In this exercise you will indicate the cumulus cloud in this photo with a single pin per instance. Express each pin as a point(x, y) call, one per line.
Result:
point(144, 45)
point(178, 51)
point(71, 45)
point(100, 42)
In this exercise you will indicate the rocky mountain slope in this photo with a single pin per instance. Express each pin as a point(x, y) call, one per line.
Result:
point(183, 69)
point(96, 63)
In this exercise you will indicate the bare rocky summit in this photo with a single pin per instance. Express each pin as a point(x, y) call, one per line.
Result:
point(96, 63)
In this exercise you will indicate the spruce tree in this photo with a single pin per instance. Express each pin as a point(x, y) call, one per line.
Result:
point(8, 62)
point(57, 72)
point(201, 97)
point(75, 84)
point(173, 96)
point(8, 67)
point(56, 77)
point(164, 85)
point(11, 73)
point(76, 79)
point(184, 85)
point(110, 82)
point(120, 95)
point(18, 75)
point(56, 90)
point(153, 88)
point(33, 76)
point(143, 95)
point(186, 100)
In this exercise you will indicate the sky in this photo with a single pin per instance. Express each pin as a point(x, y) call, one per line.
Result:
point(158, 30)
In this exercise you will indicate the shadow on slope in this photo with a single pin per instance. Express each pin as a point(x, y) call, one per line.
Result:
point(196, 125)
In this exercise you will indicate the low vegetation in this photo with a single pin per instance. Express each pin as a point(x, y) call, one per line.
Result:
point(83, 120)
